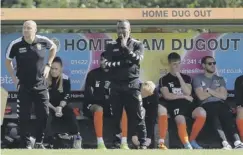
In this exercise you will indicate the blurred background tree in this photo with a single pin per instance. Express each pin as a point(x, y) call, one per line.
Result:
point(121, 3)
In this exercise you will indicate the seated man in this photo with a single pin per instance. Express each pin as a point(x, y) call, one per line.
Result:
point(239, 103)
point(59, 91)
point(211, 91)
point(96, 95)
point(176, 90)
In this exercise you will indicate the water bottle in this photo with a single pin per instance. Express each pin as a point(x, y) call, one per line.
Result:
point(77, 142)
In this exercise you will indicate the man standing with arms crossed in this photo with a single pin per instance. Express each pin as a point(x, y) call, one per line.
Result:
point(30, 80)
point(123, 58)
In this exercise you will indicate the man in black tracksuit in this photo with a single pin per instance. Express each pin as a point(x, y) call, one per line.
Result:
point(122, 58)
point(97, 90)
point(96, 95)
point(30, 79)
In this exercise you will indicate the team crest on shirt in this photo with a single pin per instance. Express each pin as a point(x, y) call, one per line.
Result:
point(203, 84)
point(216, 83)
point(38, 46)
point(171, 84)
point(107, 84)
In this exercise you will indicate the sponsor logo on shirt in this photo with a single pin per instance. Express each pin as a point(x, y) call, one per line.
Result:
point(115, 50)
point(22, 50)
point(177, 91)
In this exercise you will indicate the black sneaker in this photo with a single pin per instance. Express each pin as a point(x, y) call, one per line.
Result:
point(25, 145)
point(116, 143)
point(39, 146)
point(48, 146)
point(28, 145)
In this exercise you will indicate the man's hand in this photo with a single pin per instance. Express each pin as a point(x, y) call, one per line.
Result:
point(217, 89)
point(58, 111)
point(124, 40)
point(46, 71)
point(16, 82)
point(178, 74)
point(63, 103)
point(176, 70)
point(210, 91)
point(218, 94)
point(189, 98)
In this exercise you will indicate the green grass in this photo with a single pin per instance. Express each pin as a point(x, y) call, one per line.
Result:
point(120, 152)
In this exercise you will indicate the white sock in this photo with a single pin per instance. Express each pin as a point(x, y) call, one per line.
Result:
point(237, 142)
point(135, 140)
point(124, 140)
point(148, 141)
point(225, 143)
point(161, 141)
point(100, 140)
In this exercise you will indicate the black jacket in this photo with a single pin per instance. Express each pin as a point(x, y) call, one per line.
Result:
point(124, 62)
point(56, 96)
point(97, 86)
point(154, 98)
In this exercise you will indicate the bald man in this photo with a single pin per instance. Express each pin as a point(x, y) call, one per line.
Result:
point(30, 79)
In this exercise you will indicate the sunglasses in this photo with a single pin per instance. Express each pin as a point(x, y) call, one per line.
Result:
point(211, 63)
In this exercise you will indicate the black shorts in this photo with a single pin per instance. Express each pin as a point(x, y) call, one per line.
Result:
point(162, 102)
point(105, 104)
point(214, 108)
point(180, 107)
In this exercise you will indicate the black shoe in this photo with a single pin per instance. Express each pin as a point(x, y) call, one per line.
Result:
point(39, 146)
point(48, 146)
point(116, 143)
point(25, 145)
point(28, 145)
